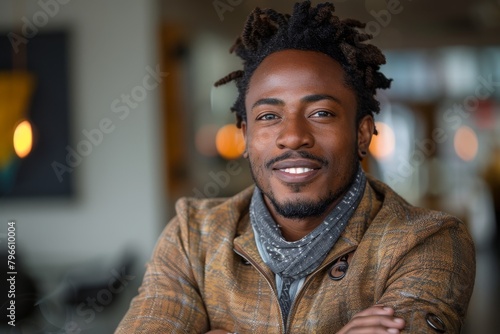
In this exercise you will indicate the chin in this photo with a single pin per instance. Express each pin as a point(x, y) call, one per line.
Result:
point(300, 208)
point(302, 189)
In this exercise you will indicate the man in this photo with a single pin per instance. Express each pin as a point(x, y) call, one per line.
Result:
point(316, 246)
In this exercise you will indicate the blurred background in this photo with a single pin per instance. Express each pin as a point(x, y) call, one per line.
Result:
point(108, 115)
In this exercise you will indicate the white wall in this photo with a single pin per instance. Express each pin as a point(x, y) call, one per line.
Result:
point(118, 203)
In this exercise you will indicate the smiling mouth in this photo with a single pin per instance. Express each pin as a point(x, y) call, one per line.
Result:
point(293, 168)
point(296, 170)
point(294, 175)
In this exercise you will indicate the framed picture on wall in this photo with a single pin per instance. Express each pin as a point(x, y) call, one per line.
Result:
point(42, 170)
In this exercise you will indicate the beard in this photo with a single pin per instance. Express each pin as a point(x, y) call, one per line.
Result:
point(301, 209)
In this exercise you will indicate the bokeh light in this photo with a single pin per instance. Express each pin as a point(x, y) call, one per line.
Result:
point(23, 139)
point(466, 143)
point(383, 144)
point(229, 142)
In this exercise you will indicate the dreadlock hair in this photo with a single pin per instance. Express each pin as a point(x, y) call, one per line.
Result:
point(311, 29)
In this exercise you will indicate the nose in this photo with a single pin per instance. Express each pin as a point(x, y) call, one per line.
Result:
point(295, 133)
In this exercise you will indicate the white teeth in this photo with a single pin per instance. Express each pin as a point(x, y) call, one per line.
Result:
point(299, 170)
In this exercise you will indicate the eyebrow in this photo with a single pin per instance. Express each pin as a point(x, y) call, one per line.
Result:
point(307, 99)
point(319, 97)
point(270, 101)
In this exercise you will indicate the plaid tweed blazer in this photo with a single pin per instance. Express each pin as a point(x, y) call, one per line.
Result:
point(206, 272)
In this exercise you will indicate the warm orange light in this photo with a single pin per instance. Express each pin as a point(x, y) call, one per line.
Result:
point(23, 139)
point(383, 145)
point(466, 143)
point(229, 142)
point(16, 88)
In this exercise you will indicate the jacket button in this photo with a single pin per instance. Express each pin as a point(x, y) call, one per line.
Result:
point(339, 269)
point(435, 323)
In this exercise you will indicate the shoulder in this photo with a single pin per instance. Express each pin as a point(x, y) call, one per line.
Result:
point(395, 207)
point(210, 208)
point(400, 221)
point(200, 224)
point(205, 216)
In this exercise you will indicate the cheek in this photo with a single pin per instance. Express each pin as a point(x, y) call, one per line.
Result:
point(336, 144)
point(259, 151)
point(260, 142)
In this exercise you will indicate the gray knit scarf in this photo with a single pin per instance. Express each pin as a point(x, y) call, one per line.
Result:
point(297, 259)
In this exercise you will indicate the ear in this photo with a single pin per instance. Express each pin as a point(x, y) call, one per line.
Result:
point(366, 128)
point(244, 131)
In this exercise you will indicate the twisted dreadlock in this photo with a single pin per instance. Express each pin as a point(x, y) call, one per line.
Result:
point(314, 29)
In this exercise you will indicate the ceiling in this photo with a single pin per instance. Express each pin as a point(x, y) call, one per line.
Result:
point(414, 23)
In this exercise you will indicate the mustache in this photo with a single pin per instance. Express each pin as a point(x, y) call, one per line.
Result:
point(296, 154)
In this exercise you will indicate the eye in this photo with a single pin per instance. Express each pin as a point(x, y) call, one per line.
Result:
point(322, 113)
point(267, 117)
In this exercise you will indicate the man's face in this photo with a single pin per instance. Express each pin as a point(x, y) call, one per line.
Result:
point(301, 134)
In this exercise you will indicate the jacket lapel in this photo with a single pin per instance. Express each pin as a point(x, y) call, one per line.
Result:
point(244, 244)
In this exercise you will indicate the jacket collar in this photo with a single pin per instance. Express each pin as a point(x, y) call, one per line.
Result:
point(349, 239)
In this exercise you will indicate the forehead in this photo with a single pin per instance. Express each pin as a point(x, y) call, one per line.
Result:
point(299, 72)
point(310, 59)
